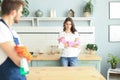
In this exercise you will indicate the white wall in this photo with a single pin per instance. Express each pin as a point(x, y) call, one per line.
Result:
point(41, 38)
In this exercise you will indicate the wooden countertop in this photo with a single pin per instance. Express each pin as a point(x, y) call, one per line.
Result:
point(64, 73)
point(57, 57)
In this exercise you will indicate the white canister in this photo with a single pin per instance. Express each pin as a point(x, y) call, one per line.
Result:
point(53, 13)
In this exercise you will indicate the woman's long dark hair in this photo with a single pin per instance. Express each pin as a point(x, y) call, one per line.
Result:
point(73, 30)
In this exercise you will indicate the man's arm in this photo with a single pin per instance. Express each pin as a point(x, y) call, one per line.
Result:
point(8, 48)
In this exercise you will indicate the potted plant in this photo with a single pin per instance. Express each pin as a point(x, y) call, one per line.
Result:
point(25, 9)
point(91, 48)
point(0, 2)
point(88, 8)
point(113, 60)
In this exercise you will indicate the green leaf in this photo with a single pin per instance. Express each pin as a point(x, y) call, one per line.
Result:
point(25, 9)
point(88, 7)
point(91, 47)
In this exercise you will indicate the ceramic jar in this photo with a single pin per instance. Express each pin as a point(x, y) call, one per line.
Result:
point(38, 13)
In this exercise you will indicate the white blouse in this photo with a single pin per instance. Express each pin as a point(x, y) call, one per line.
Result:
point(69, 51)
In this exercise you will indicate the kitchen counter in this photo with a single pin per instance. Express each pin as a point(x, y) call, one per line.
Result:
point(57, 57)
point(64, 73)
point(45, 60)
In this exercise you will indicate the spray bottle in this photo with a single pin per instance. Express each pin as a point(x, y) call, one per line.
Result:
point(24, 68)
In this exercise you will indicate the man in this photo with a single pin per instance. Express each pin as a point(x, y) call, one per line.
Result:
point(9, 59)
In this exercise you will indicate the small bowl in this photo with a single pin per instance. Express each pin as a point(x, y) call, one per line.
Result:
point(35, 55)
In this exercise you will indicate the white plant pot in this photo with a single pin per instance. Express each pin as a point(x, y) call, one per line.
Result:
point(87, 14)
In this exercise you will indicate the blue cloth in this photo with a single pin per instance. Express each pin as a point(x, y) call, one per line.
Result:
point(8, 70)
point(69, 61)
point(16, 40)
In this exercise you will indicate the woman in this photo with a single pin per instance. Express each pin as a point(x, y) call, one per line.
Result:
point(69, 43)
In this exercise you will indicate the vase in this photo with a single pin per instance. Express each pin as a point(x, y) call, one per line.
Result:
point(52, 13)
point(39, 13)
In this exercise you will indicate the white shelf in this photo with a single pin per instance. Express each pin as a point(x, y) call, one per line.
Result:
point(113, 71)
point(62, 19)
point(33, 19)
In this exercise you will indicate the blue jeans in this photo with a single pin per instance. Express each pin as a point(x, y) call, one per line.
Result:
point(69, 61)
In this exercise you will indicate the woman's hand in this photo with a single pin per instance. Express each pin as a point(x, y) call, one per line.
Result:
point(66, 45)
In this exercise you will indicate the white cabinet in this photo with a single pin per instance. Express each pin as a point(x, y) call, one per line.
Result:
point(36, 20)
point(113, 74)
